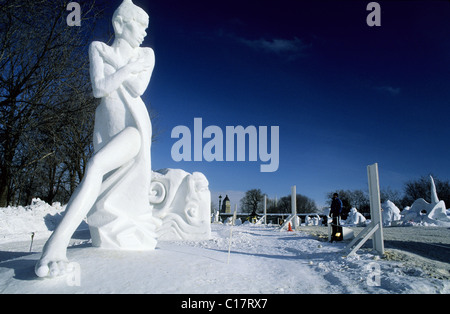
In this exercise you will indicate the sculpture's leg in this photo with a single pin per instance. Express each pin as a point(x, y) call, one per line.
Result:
point(121, 149)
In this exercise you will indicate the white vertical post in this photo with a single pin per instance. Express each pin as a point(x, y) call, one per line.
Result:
point(375, 207)
point(265, 209)
point(294, 205)
point(375, 228)
point(233, 220)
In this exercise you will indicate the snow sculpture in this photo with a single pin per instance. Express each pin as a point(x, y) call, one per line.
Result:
point(307, 220)
point(121, 218)
point(390, 213)
point(315, 220)
point(355, 218)
point(182, 202)
point(116, 192)
point(429, 213)
point(215, 217)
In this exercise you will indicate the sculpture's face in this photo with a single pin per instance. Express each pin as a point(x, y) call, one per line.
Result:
point(130, 23)
point(197, 209)
point(133, 31)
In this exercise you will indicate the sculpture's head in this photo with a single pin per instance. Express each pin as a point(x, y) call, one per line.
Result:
point(130, 22)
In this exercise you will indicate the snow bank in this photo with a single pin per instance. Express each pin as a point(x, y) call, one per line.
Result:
point(17, 223)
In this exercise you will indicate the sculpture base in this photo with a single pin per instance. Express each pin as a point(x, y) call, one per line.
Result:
point(110, 231)
point(178, 209)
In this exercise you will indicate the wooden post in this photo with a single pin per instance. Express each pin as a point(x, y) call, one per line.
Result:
point(265, 209)
point(375, 207)
point(375, 228)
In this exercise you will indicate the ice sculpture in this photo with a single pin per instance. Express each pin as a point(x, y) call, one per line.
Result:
point(182, 201)
point(114, 191)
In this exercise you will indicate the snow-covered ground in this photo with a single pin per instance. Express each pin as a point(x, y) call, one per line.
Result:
point(262, 259)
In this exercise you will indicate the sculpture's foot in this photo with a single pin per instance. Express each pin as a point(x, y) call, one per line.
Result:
point(52, 268)
point(53, 262)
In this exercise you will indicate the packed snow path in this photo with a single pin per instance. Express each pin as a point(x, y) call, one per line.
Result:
point(262, 260)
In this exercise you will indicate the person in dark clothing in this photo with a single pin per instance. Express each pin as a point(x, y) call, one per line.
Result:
point(335, 213)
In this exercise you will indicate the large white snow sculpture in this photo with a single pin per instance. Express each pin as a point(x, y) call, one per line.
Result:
point(433, 213)
point(116, 192)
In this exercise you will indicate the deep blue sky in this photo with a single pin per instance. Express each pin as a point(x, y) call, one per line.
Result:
point(344, 95)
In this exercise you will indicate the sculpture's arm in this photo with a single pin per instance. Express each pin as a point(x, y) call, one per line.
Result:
point(104, 85)
point(137, 84)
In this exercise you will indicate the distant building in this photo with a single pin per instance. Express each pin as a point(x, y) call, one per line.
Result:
point(226, 205)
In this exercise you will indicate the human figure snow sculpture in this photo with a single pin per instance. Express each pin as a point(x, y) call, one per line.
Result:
point(117, 193)
point(114, 191)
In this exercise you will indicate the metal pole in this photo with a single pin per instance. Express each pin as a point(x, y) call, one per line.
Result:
point(32, 237)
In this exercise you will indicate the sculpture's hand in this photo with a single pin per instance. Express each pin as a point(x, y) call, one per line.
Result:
point(139, 71)
point(136, 66)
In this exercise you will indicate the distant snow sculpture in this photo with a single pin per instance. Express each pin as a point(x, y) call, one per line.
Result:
point(390, 213)
point(315, 220)
point(312, 221)
point(116, 191)
point(215, 217)
point(355, 218)
point(421, 211)
point(307, 220)
point(182, 202)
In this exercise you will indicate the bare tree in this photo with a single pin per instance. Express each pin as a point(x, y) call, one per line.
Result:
point(252, 201)
point(304, 204)
point(46, 106)
point(284, 205)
